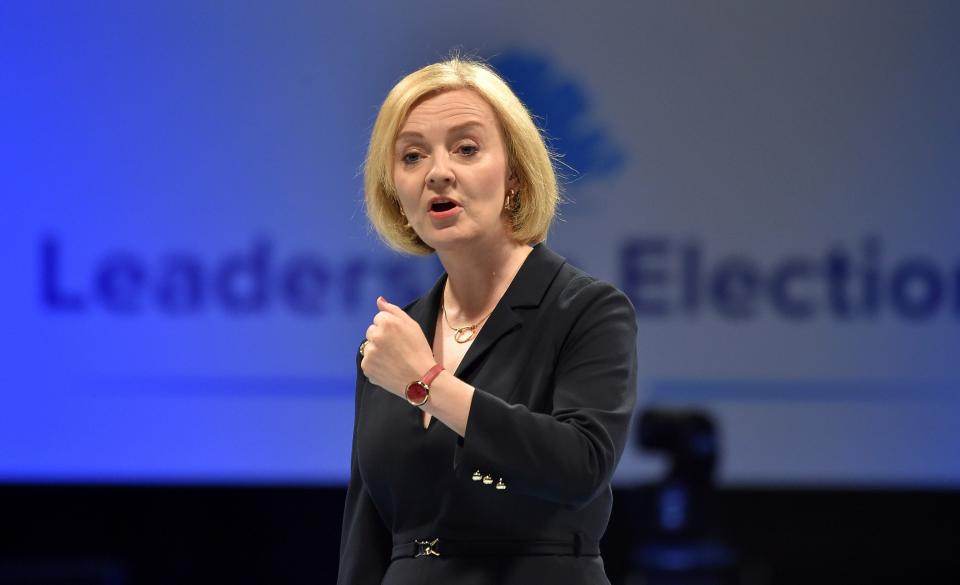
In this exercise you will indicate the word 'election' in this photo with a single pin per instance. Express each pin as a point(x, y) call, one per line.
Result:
point(666, 278)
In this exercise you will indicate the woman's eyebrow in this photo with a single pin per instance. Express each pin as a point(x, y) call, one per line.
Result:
point(409, 136)
point(413, 135)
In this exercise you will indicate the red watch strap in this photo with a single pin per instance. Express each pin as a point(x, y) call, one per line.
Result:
point(431, 374)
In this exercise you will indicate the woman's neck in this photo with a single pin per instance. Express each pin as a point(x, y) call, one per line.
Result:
point(477, 279)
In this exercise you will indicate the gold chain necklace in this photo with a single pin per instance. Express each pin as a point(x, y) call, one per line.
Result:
point(465, 333)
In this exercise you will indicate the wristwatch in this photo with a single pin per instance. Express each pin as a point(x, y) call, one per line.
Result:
point(418, 391)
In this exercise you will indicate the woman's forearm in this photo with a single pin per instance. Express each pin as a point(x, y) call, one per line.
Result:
point(450, 400)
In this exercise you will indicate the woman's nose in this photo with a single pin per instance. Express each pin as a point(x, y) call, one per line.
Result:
point(439, 176)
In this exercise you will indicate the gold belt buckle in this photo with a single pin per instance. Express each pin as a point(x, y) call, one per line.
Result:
point(427, 548)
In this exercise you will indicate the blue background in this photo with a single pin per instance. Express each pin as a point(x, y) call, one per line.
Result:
point(188, 269)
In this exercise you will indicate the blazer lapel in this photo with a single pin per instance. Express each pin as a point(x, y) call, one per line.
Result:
point(424, 310)
point(527, 290)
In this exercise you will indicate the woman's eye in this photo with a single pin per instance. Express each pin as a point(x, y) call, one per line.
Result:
point(411, 157)
point(468, 149)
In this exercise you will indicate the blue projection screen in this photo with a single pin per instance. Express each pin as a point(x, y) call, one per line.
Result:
point(189, 270)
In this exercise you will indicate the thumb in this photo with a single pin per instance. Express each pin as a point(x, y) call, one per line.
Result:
point(385, 305)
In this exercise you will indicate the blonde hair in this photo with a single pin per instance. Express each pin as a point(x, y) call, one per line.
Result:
point(532, 210)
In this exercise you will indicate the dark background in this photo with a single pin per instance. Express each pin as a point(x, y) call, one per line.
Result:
point(218, 534)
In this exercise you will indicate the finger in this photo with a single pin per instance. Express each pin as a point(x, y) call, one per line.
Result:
point(379, 318)
point(385, 305)
point(371, 333)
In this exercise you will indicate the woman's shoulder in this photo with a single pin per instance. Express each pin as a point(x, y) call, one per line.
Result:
point(591, 313)
point(579, 290)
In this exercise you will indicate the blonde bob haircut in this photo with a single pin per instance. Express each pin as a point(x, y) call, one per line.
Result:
point(531, 211)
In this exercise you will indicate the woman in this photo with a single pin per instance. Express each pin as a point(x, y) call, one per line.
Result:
point(491, 412)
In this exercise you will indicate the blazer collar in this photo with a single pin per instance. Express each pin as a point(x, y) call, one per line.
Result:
point(527, 290)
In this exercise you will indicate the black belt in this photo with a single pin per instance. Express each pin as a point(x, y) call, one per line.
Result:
point(437, 547)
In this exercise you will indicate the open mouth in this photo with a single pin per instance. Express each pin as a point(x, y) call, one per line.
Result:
point(441, 206)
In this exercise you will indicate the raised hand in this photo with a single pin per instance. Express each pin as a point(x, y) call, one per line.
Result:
point(396, 351)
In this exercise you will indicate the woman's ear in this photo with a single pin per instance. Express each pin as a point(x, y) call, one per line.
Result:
point(512, 181)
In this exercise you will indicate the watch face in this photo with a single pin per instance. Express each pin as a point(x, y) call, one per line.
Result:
point(417, 393)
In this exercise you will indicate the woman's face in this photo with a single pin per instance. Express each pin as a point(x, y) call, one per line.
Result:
point(450, 170)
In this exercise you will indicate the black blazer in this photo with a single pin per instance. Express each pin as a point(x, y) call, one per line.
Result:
point(555, 369)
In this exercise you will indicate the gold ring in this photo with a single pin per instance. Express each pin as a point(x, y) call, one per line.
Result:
point(362, 345)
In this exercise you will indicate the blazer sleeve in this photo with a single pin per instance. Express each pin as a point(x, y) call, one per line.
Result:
point(365, 541)
point(565, 456)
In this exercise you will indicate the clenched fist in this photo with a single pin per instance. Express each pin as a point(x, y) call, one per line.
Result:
point(396, 351)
